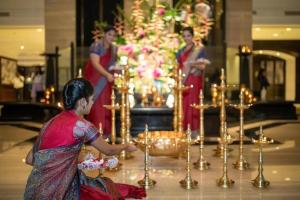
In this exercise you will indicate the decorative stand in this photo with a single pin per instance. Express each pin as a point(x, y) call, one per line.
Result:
point(113, 107)
point(179, 89)
point(128, 120)
point(260, 181)
point(241, 163)
point(124, 121)
point(224, 181)
point(188, 183)
point(101, 171)
point(214, 94)
point(175, 93)
point(147, 182)
point(220, 148)
point(201, 163)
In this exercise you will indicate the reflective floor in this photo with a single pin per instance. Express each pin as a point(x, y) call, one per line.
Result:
point(281, 167)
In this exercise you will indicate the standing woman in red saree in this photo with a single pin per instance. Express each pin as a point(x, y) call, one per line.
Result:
point(192, 63)
point(54, 156)
point(103, 55)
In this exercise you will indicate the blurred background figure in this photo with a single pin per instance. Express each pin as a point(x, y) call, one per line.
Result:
point(264, 84)
point(18, 83)
point(38, 86)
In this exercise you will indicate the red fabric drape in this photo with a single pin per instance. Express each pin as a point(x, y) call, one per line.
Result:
point(125, 191)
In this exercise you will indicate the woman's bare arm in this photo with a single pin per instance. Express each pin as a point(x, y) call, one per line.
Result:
point(110, 150)
point(95, 61)
point(29, 158)
point(198, 64)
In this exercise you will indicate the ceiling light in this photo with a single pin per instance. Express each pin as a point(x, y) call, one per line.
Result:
point(275, 34)
point(260, 52)
point(277, 54)
point(257, 29)
point(288, 29)
point(39, 30)
point(22, 47)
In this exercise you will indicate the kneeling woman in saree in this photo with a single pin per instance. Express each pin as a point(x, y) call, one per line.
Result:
point(54, 156)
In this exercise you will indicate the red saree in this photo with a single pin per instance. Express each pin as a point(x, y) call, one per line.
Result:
point(55, 157)
point(102, 87)
point(191, 115)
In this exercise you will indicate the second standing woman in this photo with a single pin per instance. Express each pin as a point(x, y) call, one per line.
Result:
point(192, 62)
point(103, 55)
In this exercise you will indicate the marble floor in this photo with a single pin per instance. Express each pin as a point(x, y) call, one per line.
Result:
point(281, 167)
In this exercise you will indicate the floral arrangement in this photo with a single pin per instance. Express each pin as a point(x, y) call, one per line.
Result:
point(149, 41)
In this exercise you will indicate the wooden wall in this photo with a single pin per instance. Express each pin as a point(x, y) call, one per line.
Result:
point(7, 93)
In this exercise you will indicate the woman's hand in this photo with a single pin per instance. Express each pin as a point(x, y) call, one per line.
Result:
point(202, 62)
point(111, 150)
point(110, 77)
point(131, 148)
point(200, 65)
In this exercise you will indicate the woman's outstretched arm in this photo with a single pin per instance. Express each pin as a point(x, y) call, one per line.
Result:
point(110, 150)
point(95, 61)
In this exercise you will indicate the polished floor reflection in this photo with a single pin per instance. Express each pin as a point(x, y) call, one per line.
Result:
point(281, 167)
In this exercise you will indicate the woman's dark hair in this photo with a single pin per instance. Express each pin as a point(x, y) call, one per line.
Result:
point(39, 70)
point(189, 29)
point(74, 90)
point(109, 28)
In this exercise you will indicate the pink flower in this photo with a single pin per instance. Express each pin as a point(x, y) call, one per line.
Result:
point(141, 33)
point(145, 49)
point(161, 11)
point(156, 73)
point(140, 71)
point(128, 49)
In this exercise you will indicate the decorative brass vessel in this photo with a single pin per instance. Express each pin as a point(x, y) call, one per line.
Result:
point(163, 143)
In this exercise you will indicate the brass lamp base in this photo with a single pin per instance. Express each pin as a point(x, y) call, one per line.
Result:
point(260, 182)
point(241, 165)
point(201, 164)
point(225, 182)
point(188, 184)
point(219, 152)
point(147, 184)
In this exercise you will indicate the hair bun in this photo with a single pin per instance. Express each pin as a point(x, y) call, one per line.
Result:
point(74, 90)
